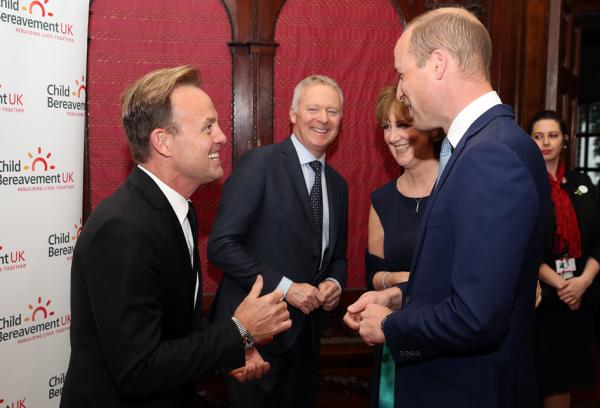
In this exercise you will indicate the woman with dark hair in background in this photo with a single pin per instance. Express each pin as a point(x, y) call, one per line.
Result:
point(564, 336)
point(396, 210)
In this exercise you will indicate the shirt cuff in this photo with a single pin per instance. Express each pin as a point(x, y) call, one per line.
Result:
point(336, 282)
point(284, 285)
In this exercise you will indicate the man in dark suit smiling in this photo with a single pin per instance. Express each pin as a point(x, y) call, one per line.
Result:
point(283, 214)
point(137, 335)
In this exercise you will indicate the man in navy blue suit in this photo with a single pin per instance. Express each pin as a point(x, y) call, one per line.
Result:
point(460, 330)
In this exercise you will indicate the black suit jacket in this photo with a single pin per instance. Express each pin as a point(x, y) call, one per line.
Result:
point(132, 301)
point(264, 226)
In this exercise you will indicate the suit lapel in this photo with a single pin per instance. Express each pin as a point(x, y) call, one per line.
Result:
point(475, 128)
point(332, 195)
point(155, 197)
point(292, 165)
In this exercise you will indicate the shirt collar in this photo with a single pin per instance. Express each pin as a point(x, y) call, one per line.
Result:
point(470, 114)
point(304, 154)
point(178, 202)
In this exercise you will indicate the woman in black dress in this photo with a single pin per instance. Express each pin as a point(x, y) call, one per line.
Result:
point(564, 336)
point(396, 210)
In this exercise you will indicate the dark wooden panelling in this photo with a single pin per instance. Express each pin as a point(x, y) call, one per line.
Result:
point(252, 52)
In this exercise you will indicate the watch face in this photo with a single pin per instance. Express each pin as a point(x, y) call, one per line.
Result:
point(248, 341)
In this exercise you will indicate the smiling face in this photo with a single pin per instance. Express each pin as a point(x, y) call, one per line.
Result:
point(407, 144)
point(196, 145)
point(549, 138)
point(317, 119)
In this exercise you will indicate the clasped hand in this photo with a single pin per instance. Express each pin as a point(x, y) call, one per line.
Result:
point(308, 298)
point(365, 315)
point(571, 292)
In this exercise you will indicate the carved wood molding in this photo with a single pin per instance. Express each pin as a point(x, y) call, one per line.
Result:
point(253, 52)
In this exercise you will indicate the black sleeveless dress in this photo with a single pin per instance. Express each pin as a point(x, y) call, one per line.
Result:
point(400, 217)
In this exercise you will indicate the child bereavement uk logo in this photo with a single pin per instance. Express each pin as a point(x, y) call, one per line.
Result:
point(18, 403)
point(35, 172)
point(11, 101)
point(37, 322)
point(68, 97)
point(62, 244)
point(12, 259)
point(35, 18)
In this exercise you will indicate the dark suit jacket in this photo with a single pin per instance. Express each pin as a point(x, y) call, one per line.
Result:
point(464, 336)
point(132, 301)
point(264, 226)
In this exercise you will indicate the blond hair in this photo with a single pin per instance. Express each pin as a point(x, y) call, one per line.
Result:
point(147, 106)
point(457, 31)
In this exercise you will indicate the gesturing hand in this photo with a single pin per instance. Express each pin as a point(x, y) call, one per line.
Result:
point(255, 367)
point(264, 316)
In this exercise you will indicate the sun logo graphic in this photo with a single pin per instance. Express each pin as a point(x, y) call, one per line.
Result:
point(78, 228)
point(39, 6)
point(39, 160)
point(40, 308)
point(80, 86)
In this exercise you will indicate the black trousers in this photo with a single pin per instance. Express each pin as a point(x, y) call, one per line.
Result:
point(290, 382)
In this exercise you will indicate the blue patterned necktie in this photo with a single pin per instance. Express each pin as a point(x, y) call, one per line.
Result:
point(316, 202)
point(445, 153)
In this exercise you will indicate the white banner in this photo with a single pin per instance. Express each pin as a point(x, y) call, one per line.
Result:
point(42, 118)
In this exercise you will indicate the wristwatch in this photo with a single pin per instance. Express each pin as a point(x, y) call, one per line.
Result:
point(247, 338)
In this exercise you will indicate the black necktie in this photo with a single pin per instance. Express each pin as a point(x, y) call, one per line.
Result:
point(193, 220)
point(316, 203)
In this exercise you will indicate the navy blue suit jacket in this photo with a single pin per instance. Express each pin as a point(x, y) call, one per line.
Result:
point(264, 226)
point(464, 335)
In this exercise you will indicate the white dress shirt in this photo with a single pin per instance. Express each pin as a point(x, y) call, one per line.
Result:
point(470, 114)
point(180, 206)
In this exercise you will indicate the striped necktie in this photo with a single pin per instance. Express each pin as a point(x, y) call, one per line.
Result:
point(445, 153)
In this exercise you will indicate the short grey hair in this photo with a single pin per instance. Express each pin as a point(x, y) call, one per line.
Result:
point(315, 79)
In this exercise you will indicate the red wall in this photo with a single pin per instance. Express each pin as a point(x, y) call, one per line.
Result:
point(131, 38)
point(353, 44)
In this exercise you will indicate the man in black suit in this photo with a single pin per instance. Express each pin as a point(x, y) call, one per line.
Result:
point(137, 335)
point(283, 214)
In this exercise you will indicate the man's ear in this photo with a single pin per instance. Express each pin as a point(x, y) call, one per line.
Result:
point(292, 116)
point(439, 60)
point(160, 140)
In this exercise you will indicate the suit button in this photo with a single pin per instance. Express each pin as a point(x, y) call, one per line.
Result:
point(408, 300)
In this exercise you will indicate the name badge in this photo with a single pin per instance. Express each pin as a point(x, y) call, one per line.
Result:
point(565, 267)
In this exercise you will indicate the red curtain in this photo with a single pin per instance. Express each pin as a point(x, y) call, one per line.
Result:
point(131, 38)
point(350, 40)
